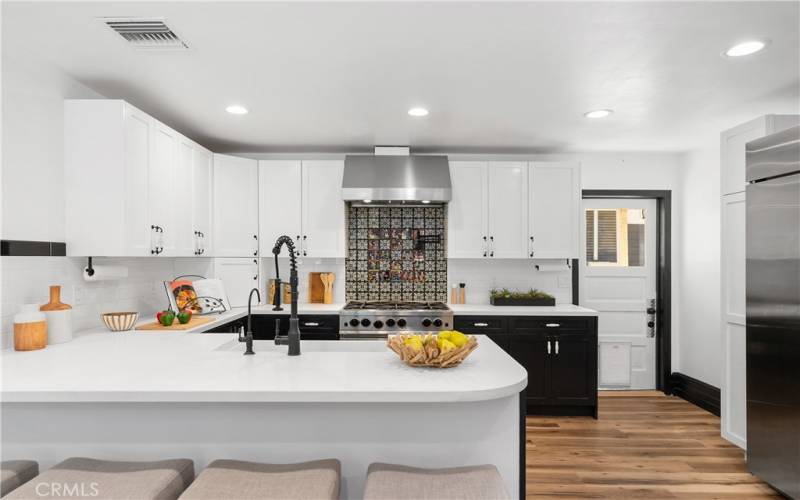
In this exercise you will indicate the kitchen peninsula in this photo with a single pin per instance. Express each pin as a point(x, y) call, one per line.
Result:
point(136, 396)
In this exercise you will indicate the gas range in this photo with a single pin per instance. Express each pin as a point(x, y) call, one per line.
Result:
point(378, 319)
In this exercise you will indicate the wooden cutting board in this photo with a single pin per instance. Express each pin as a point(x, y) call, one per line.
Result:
point(316, 290)
point(176, 326)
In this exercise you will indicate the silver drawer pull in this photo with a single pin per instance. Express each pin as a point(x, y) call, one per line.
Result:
point(553, 325)
point(310, 323)
point(556, 346)
point(480, 324)
point(548, 347)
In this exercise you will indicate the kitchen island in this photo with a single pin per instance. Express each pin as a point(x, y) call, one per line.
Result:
point(143, 396)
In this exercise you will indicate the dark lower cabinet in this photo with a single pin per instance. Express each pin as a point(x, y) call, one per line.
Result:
point(312, 327)
point(559, 353)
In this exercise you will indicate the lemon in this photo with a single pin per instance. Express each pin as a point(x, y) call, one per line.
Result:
point(458, 338)
point(445, 345)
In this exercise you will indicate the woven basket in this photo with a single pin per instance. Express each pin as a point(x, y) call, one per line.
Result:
point(429, 355)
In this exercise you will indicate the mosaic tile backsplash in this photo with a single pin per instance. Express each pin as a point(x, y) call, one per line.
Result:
point(396, 253)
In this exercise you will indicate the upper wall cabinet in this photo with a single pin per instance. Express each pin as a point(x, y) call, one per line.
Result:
point(129, 183)
point(235, 206)
point(514, 210)
point(554, 210)
point(732, 147)
point(302, 200)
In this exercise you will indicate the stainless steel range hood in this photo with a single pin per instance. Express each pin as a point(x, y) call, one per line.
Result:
point(385, 178)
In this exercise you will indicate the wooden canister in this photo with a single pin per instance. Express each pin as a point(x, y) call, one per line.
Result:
point(30, 329)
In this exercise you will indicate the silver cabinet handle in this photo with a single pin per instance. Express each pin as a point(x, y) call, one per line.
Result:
point(548, 347)
point(310, 323)
point(553, 325)
point(480, 324)
point(556, 347)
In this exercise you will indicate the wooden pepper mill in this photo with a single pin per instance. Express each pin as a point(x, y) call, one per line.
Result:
point(59, 317)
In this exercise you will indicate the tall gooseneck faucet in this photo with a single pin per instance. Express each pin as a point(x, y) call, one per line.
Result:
point(292, 338)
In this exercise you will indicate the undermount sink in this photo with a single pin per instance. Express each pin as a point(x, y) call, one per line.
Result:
point(378, 345)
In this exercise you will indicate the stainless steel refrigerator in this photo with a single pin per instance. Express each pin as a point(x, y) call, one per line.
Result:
point(773, 310)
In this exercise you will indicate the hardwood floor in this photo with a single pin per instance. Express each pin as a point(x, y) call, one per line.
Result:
point(644, 444)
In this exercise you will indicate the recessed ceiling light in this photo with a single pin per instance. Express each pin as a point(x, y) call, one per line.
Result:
point(235, 109)
point(418, 112)
point(426, 201)
point(367, 201)
point(746, 48)
point(598, 113)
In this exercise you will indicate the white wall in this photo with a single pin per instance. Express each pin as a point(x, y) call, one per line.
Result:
point(481, 275)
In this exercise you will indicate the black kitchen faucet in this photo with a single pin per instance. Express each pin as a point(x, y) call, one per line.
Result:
point(292, 338)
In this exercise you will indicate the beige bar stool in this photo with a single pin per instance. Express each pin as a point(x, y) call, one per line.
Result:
point(251, 480)
point(14, 473)
point(398, 482)
point(81, 478)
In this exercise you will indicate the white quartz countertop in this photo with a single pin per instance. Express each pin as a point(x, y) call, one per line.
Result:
point(490, 310)
point(175, 367)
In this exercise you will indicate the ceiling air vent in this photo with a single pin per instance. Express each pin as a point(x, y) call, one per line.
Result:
point(147, 34)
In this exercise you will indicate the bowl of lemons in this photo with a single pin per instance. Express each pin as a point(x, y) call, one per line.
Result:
point(443, 350)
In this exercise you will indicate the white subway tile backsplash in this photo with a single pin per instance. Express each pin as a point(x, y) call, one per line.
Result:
point(481, 275)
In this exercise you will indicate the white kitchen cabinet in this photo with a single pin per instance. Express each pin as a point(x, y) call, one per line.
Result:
point(161, 186)
point(235, 183)
point(554, 194)
point(733, 387)
point(192, 198)
point(279, 203)
point(508, 214)
point(107, 161)
point(239, 276)
point(323, 218)
point(467, 212)
point(202, 199)
point(732, 147)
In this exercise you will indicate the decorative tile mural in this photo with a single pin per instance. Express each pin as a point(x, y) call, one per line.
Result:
point(396, 253)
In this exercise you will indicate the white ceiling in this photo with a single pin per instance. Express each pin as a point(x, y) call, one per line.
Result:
point(510, 77)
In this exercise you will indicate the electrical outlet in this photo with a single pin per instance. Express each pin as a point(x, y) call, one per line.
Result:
point(565, 281)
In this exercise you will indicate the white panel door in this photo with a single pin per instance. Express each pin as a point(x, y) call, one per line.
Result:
point(182, 199)
point(235, 206)
point(239, 276)
point(279, 203)
point(323, 217)
point(508, 209)
point(202, 199)
point(138, 137)
point(467, 212)
point(617, 274)
point(734, 381)
point(554, 203)
point(161, 182)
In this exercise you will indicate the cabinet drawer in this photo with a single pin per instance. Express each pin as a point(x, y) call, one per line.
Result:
point(550, 324)
point(480, 325)
point(318, 323)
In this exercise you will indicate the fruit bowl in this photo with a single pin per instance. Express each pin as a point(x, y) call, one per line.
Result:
point(444, 350)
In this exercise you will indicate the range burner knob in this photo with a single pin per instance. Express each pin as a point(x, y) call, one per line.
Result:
point(365, 322)
point(401, 322)
point(353, 322)
point(426, 322)
point(378, 323)
point(437, 323)
point(390, 322)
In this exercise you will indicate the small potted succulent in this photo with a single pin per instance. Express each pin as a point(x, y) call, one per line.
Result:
point(532, 297)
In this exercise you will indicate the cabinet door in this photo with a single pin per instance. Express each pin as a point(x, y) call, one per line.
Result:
point(185, 241)
point(508, 210)
point(138, 138)
point(554, 205)
point(279, 203)
point(530, 350)
point(202, 199)
point(235, 206)
point(468, 210)
point(732, 153)
point(573, 372)
point(323, 209)
point(161, 182)
point(239, 276)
